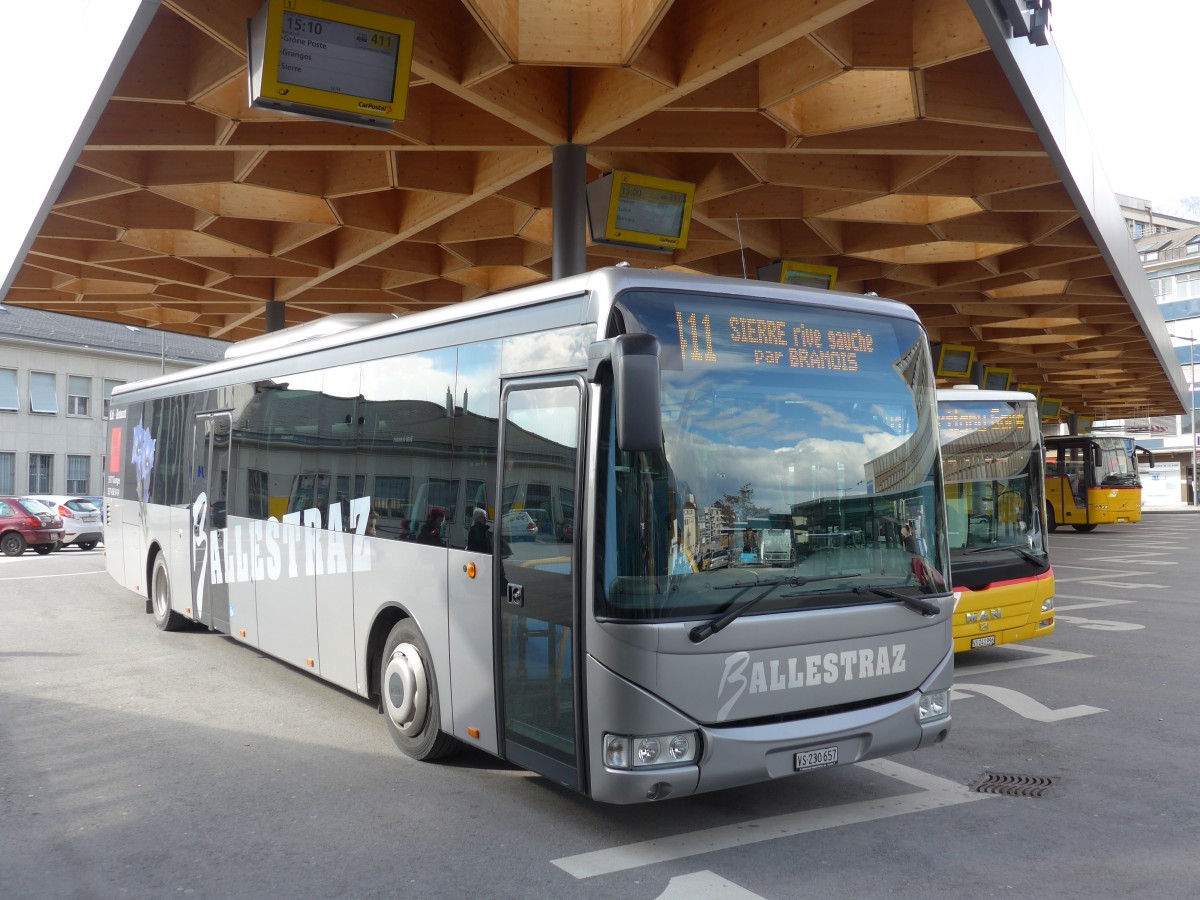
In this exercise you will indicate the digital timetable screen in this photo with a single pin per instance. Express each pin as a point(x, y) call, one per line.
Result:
point(329, 61)
point(629, 209)
point(336, 57)
point(650, 210)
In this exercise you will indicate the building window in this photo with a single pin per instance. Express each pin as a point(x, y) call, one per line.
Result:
point(1193, 247)
point(43, 393)
point(8, 390)
point(77, 474)
point(8, 473)
point(41, 472)
point(79, 395)
point(109, 384)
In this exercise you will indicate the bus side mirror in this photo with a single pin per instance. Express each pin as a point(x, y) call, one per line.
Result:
point(1097, 457)
point(636, 382)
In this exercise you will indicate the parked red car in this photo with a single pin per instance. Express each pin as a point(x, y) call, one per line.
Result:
point(24, 523)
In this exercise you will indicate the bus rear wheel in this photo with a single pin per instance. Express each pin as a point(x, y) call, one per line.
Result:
point(1084, 528)
point(1051, 522)
point(160, 598)
point(409, 692)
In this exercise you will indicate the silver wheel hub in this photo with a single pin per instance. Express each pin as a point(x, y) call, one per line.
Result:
point(406, 690)
point(161, 602)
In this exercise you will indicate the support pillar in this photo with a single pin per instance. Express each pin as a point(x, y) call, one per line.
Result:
point(275, 315)
point(569, 232)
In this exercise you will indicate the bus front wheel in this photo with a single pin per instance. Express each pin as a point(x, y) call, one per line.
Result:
point(160, 598)
point(410, 696)
point(1084, 528)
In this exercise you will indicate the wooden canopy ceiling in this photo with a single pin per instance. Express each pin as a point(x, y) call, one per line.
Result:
point(877, 136)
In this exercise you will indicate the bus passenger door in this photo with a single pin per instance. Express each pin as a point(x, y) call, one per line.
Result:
point(537, 582)
point(210, 473)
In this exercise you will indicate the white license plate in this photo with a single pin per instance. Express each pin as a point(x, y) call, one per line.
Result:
point(91, 517)
point(816, 759)
point(989, 641)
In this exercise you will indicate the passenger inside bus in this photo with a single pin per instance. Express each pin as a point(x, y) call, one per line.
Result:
point(431, 528)
point(479, 536)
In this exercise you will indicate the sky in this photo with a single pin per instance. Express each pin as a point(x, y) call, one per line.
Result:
point(1133, 66)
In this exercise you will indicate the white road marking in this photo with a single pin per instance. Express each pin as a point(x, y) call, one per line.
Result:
point(1091, 602)
point(1128, 584)
point(1038, 656)
point(1099, 624)
point(1022, 704)
point(39, 577)
point(705, 886)
point(935, 794)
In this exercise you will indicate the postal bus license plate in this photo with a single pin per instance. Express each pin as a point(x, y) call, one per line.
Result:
point(816, 759)
point(989, 641)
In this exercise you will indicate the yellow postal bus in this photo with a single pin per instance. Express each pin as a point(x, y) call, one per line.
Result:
point(1091, 480)
point(992, 459)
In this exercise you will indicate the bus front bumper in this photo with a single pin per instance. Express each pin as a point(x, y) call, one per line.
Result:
point(733, 756)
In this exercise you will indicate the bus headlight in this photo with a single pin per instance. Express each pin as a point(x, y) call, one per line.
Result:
point(622, 751)
point(1048, 604)
point(934, 705)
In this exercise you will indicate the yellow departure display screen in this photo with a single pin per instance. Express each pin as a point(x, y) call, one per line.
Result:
point(705, 338)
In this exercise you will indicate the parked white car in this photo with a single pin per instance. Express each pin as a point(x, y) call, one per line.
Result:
point(82, 526)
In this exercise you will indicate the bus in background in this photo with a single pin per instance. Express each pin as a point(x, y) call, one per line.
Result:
point(992, 458)
point(346, 502)
point(1091, 480)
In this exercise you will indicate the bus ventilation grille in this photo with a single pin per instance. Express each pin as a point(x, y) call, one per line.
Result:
point(1012, 785)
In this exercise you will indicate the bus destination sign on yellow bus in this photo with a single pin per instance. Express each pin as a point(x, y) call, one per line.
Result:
point(326, 60)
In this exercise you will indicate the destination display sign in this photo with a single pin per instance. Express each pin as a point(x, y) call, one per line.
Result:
point(771, 342)
point(326, 60)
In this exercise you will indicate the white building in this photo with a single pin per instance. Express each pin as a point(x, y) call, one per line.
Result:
point(1169, 248)
point(57, 373)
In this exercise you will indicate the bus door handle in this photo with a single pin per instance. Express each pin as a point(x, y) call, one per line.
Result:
point(516, 594)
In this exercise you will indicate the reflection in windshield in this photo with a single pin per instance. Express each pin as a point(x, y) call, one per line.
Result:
point(797, 441)
point(992, 459)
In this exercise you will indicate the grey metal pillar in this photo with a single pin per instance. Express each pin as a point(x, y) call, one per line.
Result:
point(275, 315)
point(569, 233)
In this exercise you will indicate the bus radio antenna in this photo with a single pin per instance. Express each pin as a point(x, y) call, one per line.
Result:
point(741, 246)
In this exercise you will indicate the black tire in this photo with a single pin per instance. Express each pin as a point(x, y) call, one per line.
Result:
point(12, 544)
point(1084, 528)
point(1051, 522)
point(160, 598)
point(43, 549)
point(409, 695)
point(86, 545)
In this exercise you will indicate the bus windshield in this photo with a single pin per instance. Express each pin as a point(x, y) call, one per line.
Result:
point(799, 450)
point(992, 460)
point(1117, 467)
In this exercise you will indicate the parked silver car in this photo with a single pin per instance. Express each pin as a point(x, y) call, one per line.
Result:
point(82, 527)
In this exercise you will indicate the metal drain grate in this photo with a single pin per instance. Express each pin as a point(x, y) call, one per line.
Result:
point(1012, 785)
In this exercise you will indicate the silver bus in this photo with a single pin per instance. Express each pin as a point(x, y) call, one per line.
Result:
point(489, 520)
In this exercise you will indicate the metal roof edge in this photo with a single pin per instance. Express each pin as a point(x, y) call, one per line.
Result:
point(138, 24)
point(1043, 88)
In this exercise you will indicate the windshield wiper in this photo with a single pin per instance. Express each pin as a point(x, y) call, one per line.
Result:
point(708, 629)
point(917, 604)
point(1034, 558)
